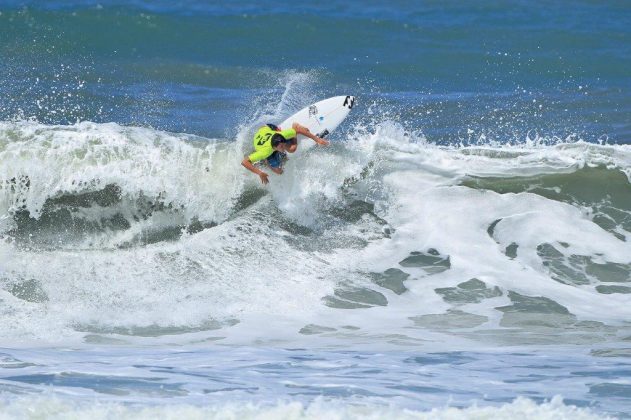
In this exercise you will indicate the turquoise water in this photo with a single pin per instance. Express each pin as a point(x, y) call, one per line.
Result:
point(461, 249)
point(500, 70)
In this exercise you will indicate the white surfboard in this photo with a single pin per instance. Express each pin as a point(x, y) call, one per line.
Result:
point(322, 117)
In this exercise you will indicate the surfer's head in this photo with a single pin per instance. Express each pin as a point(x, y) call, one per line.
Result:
point(278, 142)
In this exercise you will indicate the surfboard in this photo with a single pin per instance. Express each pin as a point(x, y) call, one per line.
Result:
point(322, 117)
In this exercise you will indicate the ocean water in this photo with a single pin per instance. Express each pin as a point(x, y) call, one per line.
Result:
point(460, 250)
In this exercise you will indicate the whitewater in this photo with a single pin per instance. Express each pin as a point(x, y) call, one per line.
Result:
point(129, 236)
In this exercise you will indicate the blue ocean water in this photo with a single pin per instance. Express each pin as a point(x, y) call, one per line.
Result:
point(460, 250)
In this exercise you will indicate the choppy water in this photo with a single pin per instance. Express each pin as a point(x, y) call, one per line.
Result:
point(463, 243)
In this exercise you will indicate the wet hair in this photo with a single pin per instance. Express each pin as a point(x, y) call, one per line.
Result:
point(277, 139)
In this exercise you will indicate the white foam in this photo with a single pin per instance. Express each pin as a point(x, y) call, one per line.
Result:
point(51, 407)
point(245, 269)
point(86, 157)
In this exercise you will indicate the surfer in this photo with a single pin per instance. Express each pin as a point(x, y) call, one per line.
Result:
point(271, 144)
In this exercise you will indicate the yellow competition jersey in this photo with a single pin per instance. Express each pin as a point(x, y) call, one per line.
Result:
point(263, 142)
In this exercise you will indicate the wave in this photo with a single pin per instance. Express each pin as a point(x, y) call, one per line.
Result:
point(59, 183)
point(137, 221)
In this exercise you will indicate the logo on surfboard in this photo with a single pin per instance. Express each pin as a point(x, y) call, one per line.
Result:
point(349, 102)
point(323, 134)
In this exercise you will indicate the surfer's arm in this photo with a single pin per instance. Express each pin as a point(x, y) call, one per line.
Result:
point(305, 132)
point(250, 167)
point(293, 145)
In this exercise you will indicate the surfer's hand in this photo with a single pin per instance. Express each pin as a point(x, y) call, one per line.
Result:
point(323, 142)
point(264, 178)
